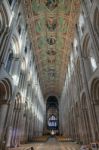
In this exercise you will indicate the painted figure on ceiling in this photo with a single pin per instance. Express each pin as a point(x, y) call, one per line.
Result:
point(51, 52)
point(51, 40)
point(51, 73)
point(51, 24)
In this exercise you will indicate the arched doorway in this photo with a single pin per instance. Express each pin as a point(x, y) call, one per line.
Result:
point(52, 114)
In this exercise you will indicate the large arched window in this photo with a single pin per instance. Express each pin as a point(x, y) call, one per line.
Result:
point(52, 113)
point(81, 25)
point(52, 122)
point(12, 3)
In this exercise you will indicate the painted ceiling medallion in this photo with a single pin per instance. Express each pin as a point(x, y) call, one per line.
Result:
point(51, 72)
point(51, 4)
point(51, 41)
point(51, 60)
point(51, 52)
point(51, 24)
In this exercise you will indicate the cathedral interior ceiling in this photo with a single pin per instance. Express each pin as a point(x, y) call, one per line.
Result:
point(51, 25)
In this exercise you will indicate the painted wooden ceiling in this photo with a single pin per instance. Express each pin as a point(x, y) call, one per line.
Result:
point(51, 25)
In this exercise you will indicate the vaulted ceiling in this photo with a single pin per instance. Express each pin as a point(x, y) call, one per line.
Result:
point(51, 25)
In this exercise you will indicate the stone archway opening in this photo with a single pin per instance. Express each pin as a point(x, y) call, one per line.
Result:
point(52, 115)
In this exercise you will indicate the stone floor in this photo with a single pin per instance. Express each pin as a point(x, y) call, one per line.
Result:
point(53, 144)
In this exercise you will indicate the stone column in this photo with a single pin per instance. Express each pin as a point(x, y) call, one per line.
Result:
point(78, 91)
point(9, 132)
point(3, 116)
point(84, 136)
point(15, 128)
point(22, 123)
point(9, 120)
point(32, 126)
point(85, 113)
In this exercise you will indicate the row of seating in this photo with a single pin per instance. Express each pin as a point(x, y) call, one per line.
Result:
point(40, 139)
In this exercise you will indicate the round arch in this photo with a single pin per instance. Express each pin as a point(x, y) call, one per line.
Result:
point(96, 21)
point(52, 113)
point(5, 89)
point(48, 95)
point(95, 90)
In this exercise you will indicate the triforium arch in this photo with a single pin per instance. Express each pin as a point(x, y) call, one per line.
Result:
point(95, 102)
point(52, 114)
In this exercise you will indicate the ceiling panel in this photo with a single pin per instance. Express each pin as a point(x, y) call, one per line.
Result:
point(51, 25)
